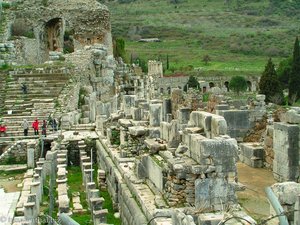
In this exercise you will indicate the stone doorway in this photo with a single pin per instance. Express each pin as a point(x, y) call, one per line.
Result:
point(54, 34)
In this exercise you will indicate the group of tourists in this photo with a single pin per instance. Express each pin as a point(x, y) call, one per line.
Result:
point(36, 126)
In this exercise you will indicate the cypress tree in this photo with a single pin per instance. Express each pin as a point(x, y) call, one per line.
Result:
point(269, 84)
point(168, 66)
point(294, 80)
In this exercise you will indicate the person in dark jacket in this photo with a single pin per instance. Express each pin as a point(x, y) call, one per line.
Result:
point(44, 128)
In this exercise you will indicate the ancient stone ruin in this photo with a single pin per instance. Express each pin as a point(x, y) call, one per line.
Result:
point(126, 145)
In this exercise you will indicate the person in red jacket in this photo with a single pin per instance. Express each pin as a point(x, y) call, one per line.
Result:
point(2, 130)
point(35, 126)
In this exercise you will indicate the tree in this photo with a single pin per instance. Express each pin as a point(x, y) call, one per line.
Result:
point(119, 48)
point(270, 85)
point(206, 59)
point(294, 78)
point(238, 84)
point(284, 70)
point(192, 83)
point(168, 64)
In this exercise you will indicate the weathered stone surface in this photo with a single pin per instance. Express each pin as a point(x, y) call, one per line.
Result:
point(252, 154)
point(137, 130)
point(286, 158)
point(286, 192)
point(213, 192)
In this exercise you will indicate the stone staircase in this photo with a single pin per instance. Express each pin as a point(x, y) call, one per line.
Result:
point(41, 99)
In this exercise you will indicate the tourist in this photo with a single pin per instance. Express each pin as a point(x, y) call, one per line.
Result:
point(44, 128)
point(24, 88)
point(35, 126)
point(25, 126)
point(3, 130)
point(54, 124)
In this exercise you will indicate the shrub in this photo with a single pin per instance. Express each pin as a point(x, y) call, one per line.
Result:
point(238, 84)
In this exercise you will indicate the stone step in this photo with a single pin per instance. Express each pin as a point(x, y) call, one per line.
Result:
point(48, 75)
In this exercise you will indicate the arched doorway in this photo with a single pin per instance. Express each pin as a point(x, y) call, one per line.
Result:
point(211, 84)
point(54, 34)
point(249, 85)
point(226, 84)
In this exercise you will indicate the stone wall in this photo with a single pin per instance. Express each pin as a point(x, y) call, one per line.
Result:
point(268, 146)
point(49, 27)
point(122, 197)
point(17, 153)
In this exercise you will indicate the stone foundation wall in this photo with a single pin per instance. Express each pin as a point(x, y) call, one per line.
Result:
point(268, 147)
point(131, 213)
point(17, 153)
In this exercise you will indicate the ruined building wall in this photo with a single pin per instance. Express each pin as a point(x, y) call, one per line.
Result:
point(87, 22)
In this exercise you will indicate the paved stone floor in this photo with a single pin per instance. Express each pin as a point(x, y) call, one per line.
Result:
point(254, 199)
point(8, 202)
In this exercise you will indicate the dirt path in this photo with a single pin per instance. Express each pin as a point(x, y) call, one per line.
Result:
point(253, 199)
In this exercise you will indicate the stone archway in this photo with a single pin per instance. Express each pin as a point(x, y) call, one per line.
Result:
point(226, 84)
point(54, 34)
point(211, 84)
point(249, 85)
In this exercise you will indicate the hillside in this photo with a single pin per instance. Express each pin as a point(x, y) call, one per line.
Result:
point(239, 36)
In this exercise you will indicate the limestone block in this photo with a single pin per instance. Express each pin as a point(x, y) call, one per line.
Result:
point(155, 146)
point(154, 132)
point(201, 119)
point(183, 115)
point(252, 154)
point(286, 192)
point(292, 116)
point(220, 152)
point(218, 126)
point(155, 172)
point(213, 193)
point(137, 131)
point(125, 123)
point(260, 97)
point(128, 102)
point(222, 107)
point(238, 123)
point(286, 155)
point(63, 203)
point(210, 218)
point(155, 114)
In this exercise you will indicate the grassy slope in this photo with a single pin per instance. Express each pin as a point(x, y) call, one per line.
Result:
point(238, 39)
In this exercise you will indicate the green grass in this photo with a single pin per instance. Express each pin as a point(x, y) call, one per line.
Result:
point(75, 185)
point(109, 206)
point(238, 38)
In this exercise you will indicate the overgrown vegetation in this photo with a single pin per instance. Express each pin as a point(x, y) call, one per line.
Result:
point(115, 139)
point(238, 36)
point(75, 185)
point(238, 84)
point(192, 83)
point(82, 94)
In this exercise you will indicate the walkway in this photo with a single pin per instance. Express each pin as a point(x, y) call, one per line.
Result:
point(7, 206)
point(253, 199)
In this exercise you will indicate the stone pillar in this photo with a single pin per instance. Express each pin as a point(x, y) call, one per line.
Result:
point(128, 102)
point(297, 212)
point(99, 216)
point(183, 115)
point(286, 149)
point(155, 114)
point(31, 209)
point(166, 109)
point(30, 157)
point(92, 105)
